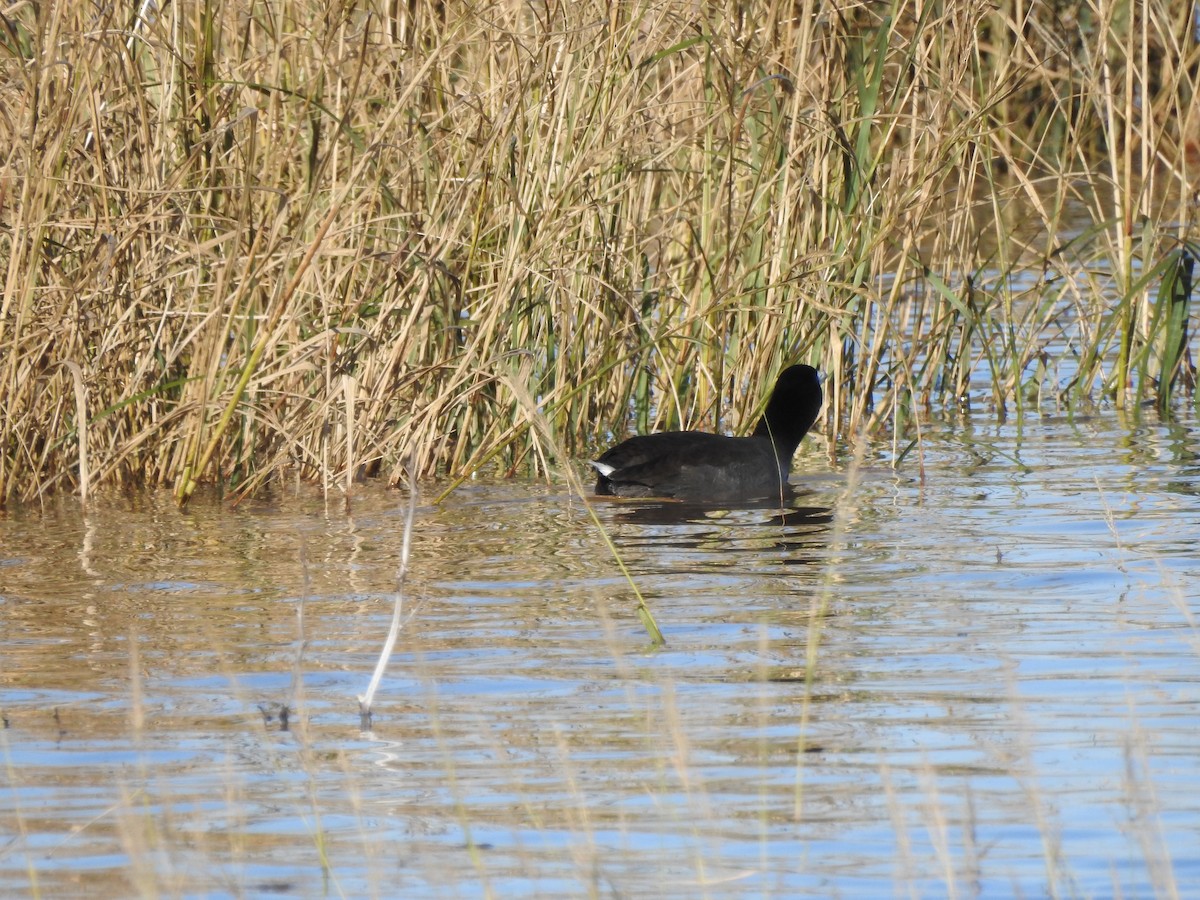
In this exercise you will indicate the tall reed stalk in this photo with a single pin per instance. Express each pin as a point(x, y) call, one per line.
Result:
point(296, 236)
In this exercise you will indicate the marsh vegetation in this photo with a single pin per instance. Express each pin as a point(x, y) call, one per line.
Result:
point(241, 239)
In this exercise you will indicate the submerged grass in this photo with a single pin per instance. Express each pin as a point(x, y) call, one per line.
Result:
point(240, 239)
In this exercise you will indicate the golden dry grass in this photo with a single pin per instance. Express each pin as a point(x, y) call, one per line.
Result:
point(247, 238)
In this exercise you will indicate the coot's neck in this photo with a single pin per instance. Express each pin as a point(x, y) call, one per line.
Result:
point(785, 426)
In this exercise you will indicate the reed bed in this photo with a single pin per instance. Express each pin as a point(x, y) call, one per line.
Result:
point(244, 239)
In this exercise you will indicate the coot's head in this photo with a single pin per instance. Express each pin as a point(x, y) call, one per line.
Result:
point(793, 408)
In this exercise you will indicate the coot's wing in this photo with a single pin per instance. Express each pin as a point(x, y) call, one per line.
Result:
point(689, 465)
point(647, 465)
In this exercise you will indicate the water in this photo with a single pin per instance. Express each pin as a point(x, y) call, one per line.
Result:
point(1005, 698)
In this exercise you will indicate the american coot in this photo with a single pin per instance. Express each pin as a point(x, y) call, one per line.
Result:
point(699, 467)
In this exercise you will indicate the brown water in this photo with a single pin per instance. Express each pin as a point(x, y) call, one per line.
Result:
point(1006, 697)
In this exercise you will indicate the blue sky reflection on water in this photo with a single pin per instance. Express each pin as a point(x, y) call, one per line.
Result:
point(1004, 700)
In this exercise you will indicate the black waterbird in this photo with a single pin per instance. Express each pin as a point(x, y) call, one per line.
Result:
point(698, 467)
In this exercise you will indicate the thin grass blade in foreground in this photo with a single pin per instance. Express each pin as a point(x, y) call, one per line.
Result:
point(516, 383)
point(366, 699)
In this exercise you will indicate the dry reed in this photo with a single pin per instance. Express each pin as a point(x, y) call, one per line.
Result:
point(302, 236)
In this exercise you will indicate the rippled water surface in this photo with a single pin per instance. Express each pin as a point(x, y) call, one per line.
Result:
point(1004, 697)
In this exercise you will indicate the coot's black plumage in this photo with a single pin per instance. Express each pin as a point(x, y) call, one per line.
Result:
point(700, 467)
